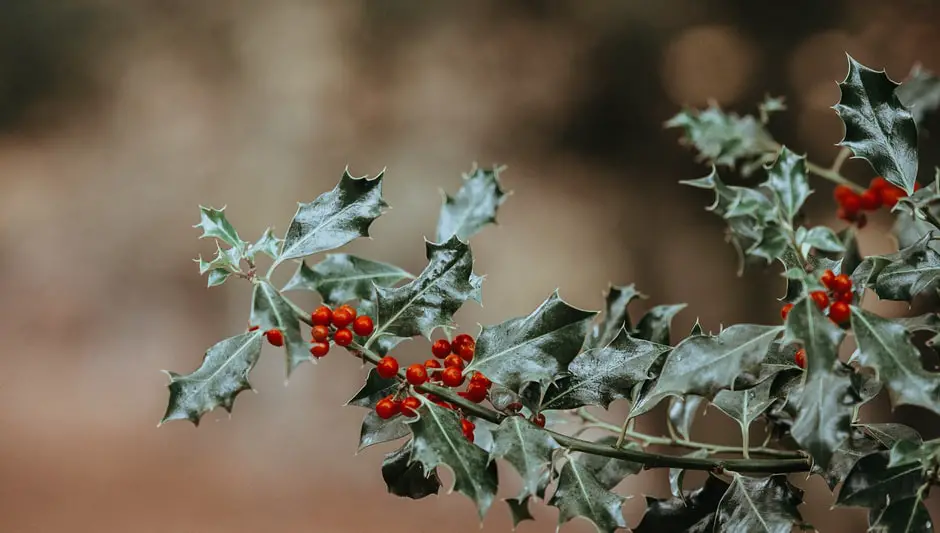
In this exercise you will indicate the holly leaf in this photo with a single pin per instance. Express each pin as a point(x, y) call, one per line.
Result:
point(526, 447)
point(676, 475)
point(909, 515)
point(682, 411)
point(818, 238)
point(269, 310)
point(682, 514)
point(858, 445)
point(788, 182)
point(724, 138)
point(871, 482)
point(343, 277)
point(704, 365)
point(218, 380)
point(534, 348)
point(214, 225)
point(407, 479)
point(616, 316)
point(886, 346)
point(767, 504)
point(374, 389)
point(655, 324)
point(268, 244)
point(334, 218)
point(601, 375)
point(438, 441)
point(222, 265)
point(430, 300)
point(580, 494)
point(745, 406)
point(888, 434)
point(878, 128)
point(382, 344)
point(920, 92)
point(609, 472)
point(473, 207)
point(374, 430)
point(519, 510)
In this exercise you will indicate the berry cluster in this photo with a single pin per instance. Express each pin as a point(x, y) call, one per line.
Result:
point(879, 193)
point(455, 355)
point(836, 299)
point(327, 322)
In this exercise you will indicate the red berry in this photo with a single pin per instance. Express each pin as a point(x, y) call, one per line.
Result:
point(891, 196)
point(275, 337)
point(459, 340)
point(851, 204)
point(820, 298)
point(452, 376)
point(466, 351)
point(841, 283)
point(844, 297)
point(842, 192)
point(445, 405)
point(387, 367)
point(785, 310)
point(409, 406)
point(320, 349)
point(477, 377)
point(322, 316)
point(878, 184)
point(800, 358)
point(342, 317)
point(343, 337)
point(467, 428)
point(514, 407)
point(320, 333)
point(363, 326)
point(433, 363)
point(416, 374)
point(827, 278)
point(440, 348)
point(916, 186)
point(476, 392)
point(253, 328)
point(469, 436)
point(839, 312)
point(841, 214)
point(871, 200)
point(387, 407)
point(453, 361)
point(538, 420)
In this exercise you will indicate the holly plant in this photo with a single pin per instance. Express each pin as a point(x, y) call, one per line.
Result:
point(507, 391)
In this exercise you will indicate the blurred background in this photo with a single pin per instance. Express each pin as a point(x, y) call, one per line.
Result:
point(118, 118)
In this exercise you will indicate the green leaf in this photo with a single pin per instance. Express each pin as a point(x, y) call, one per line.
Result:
point(770, 105)
point(616, 316)
point(818, 238)
point(438, 441)
point(222, 265)
point(519, 510)
point(268, 244)
point(773, 242)
point(788, 182)
point(920, 92)
point(214, 225)
point(609, 472)
point(878, 128)
point(473, 207)
point(218, 277)
point(374, 389)
point(334, 218)
point(886, 346)
point(858, 445)
point(766, 505)
point(704, 365)
point(580, 494)
point(601, 375)
point(374, 430)
point(888, 434)
point(383, 344)
point(871, 482)
point(221, 376)
point(342, 277)
point(745, 406)
point(534, 348)
point(682, 410)
point(724, 138)
point(902, 275)
point(682, 514)
point(269, 310)
point(655, 324)
point(526, 447)
point(430, 300)
point(909, 515)
point(676, 475)
point(407, 479)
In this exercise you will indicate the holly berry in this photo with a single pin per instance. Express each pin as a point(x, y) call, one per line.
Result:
point(453, 361)
point(514, 407)
point(342, 337)
point(841, 192)
point(452, 376)
point(800, 358)
point(839, 312)
point(827, 278)
point(387, 367)
point(387, 407)
point(844, 297)
point(870, 200)
point(440, 348)
point(322, 316)
point(538, 420)
point(416, 375)
point(467, 428)
point(852, 204)
point(477, 377)
point(320, 333)
point(879, 184)
point(820, 298)
point(476, 392)
point(275, 337)
point(320, 349)
point(343, 316)
point(841, 283)
point(785, 310)
point(363, 326)
point(459, 341)
point(466, 351)
point(409, 406)
point(253, 328)
point(433, 363)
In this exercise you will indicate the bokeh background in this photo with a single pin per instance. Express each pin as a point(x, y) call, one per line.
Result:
point(119, 117)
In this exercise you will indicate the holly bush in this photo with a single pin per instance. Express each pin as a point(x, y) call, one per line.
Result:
point(502, 393)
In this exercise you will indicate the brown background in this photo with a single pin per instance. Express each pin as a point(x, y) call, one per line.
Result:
point(117, 118)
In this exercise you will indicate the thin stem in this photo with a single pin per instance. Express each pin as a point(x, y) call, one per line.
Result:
point(833, 176)
point(843, 154)
point(745, 441)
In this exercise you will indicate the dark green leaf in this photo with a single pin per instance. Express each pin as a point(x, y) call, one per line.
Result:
point(920, 92)
point(439, 441)
point(601, 375)
point(334, 218)
point(765, 505)
point(473, 207)
point(855, 447)
point(909, 451)
point(676, 475)
point(407, 479)
point(214, 225)
point(889, 434)
point(609, 472)
point(526, 447)
point(580, 494)
point(878, 128)
point(519, 510)
point(374, 389)
point(902, 275)
point(903, 516)
point(430, 300)
point(221, 376)
point(704, 365)
point(724, 138)
point(342, 277)
point(819, 238)
point(374, 430)
point(771, 244)
point(682, 514)
point(535, 348)
point(788, 182)
point(744, 406)
point(655, 324)
point(269, 310)
point(268, 244)
point(886, 346)
point(871, 482)
point(682, 410)
point(616, 316)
